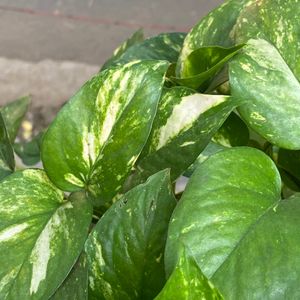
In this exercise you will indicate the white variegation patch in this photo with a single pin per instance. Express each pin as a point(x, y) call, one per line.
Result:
point(71, 178)
point(185, 114)
point(43, 250)
point(12, 232)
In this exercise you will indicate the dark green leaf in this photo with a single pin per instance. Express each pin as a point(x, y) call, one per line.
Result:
point(220, 81)
point(184, 124)
point(242, 235)
point(290, 161)
point(165, 46)
point(200, 67)
point(232, 133)
point(125, 250)
point(136, 38)
point(13, 115)
point(95, 140)
point(187, 282)
point(29, 152)
point(213, 30)
point(75, 286)
point(7, 160)
point(262, 78)
point(41, 235)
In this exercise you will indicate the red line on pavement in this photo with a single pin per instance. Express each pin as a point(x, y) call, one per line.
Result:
point(87, 19)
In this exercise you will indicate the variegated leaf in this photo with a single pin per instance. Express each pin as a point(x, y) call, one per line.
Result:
point(13, 114)
point(75, 286)
point(7, 160)
point(201, 65)
point(97, 137)
point(276, 21)
point(262, 78)
point(184, 124)
point(41, 235)
point(212, 30)
point(242, 235)
point(136, 38)
point(126, 249)
point(165, 46)
point(187, 282)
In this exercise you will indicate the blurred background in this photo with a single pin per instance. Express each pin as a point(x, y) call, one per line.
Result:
point(49, 48)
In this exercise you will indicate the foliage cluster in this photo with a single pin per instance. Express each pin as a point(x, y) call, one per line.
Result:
point(103, 219)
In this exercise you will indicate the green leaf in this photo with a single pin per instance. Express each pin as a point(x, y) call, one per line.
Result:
point(213, 30)
point(13, 115)
point(125, 250)
point(187, 282)
point(38, 227)
point(7, 160)
point(75, 286)
point(290, 161)
point(201, 65)
point(136, 38)
point(261, 77)
point(275, 21)
point(95, 140)
point(210, 149)
point(242, 235)
point(184, 124)
point(234, 132)
point(165, 46)
point(29, 152)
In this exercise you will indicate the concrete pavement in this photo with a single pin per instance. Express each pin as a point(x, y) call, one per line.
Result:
point(49, 48)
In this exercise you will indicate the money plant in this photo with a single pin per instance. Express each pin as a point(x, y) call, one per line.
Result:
point(107, 216)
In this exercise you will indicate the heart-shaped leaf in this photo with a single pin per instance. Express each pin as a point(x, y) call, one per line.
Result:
point(7, 160)
point(75, 286)
point(136, 38)
point(38, 227)
point(184, 124)
point(200, 67)
point(213, 30)
point(187, 282)
point(125, 250)
point(13, 115)
point(242, 235)
point(262, 78)
point(97, 137)
point(276, 21)
point(165, 46)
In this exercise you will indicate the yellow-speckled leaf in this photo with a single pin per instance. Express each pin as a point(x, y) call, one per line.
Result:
point(260, 76)
point(41, 235)
point(187, 282)
point(126, 248)
point(184, 124)
point(243, 236)
point(213, 30)
point(97, 137)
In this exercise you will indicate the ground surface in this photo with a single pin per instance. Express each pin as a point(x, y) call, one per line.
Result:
point(49, 48)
